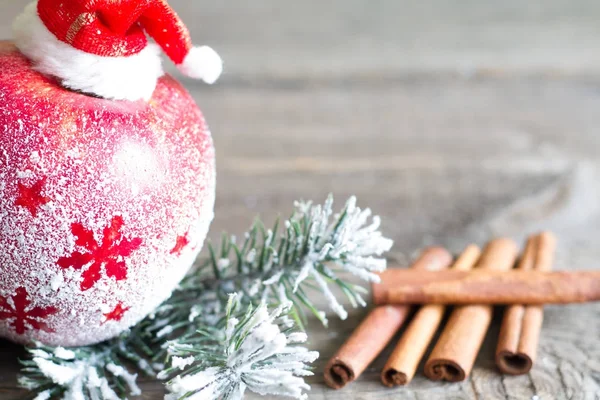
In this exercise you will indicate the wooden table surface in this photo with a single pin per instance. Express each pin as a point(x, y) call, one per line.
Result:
point(455, 122)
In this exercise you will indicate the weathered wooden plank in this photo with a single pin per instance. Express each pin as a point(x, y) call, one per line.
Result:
point(444, 164)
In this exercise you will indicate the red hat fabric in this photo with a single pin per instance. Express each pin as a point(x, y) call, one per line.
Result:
point(116, 29)
point(113, 29)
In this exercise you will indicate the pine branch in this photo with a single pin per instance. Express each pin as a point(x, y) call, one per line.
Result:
point(258, 352)
point(270, 270)
point(92, 372)
point(313, 249)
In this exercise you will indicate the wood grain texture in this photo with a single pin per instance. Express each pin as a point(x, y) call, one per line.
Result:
point(455, 123)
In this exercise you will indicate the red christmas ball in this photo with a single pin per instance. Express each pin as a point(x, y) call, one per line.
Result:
point(104, 205)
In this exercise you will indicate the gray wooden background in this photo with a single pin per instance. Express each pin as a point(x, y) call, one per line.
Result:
point(455, 121)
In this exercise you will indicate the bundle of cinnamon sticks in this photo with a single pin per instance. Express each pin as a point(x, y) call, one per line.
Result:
point(475, 282)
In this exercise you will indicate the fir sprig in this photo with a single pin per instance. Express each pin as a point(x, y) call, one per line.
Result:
point(314, 247)
point(259, 352)
point(198, 331)
point(91, 372)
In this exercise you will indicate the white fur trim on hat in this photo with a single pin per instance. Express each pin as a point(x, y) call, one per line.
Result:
point(119, 78)
point(202, 63)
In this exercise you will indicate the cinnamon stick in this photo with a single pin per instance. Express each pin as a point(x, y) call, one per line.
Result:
point(402, 364)
point(454, 354)
point(377, 329)
point(521, 326)
point(494, 287)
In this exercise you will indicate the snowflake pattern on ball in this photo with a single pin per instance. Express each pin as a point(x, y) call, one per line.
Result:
point(110, 253)
point(180, 244)
point(31, 197)
point(117, 313)
point(23, 318)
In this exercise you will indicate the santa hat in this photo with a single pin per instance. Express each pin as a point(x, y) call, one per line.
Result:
point(99, 31)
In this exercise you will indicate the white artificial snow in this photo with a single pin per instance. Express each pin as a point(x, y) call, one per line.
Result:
point(39, 353)
point(257, 284)
point(223, 263)
point(130, 379)
point(158, 366)
point(264, 363)
point(334, 304)
point(195, 312)
point(93, 384)
point(35, 157)
point(57, 281)
point(106, 391)
point(274, 279)
point(63, 353)
point(251, 256)
point(181, 363)
point(297, 337)
point(104, 308)
point(80, 377)
point(93, 378)
point(360, 244)
point(162, 374)
point(45, 395)
point(164, 331)
point(60, 374)
point(208, 380)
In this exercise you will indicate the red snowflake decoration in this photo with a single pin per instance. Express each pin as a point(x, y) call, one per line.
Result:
point(21, 316)
point(180, 244)
point(31, 197)
point(109, 254)
point(117, 313)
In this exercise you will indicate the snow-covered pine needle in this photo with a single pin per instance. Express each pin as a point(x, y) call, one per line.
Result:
point(93, 372)
point(311, 251)
point(259, 353)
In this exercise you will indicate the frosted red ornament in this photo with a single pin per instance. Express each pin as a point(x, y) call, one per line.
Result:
point(104, 205)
